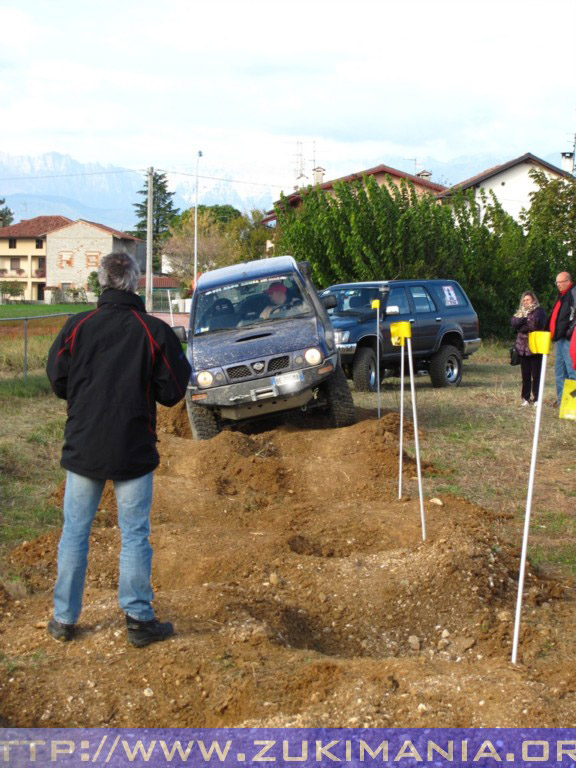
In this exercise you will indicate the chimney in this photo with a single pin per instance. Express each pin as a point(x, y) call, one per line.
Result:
point(424, 175)
point(568, 162)
point(318, 175)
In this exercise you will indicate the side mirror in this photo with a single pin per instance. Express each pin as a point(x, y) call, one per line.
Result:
point(392, 309)
point(330, 301)
point(181, 333)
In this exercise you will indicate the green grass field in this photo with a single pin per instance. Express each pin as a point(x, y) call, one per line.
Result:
point(33, 310)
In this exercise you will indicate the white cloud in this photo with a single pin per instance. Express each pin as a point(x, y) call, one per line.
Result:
point(135, 83)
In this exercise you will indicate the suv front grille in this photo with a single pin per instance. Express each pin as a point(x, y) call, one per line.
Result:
point(238, 372)
point(277, 363)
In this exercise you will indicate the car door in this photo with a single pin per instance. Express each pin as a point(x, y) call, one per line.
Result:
point(397, 298)
point(425, 320)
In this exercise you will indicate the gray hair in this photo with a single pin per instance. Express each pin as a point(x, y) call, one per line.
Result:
point(119, 270)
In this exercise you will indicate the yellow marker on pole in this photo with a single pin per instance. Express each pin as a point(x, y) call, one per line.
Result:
point(376, 305)
point(539, 343)
point(399, 332)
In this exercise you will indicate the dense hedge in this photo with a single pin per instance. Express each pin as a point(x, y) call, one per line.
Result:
point(367, 232)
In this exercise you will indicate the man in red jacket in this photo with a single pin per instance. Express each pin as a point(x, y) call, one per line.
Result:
point(560, 325)
point(112, 365)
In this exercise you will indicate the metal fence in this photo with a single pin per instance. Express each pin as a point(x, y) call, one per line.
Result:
point(10, 329)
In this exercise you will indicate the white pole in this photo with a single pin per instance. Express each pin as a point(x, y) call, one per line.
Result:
point(401, 441)
point(416, 442)
point(170, 305)
point(378, 354)
point(196, 223)
point(149, 240)
point(528, 512)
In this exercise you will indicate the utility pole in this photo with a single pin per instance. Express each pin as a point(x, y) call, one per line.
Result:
point(196, 223)
point(149, 239)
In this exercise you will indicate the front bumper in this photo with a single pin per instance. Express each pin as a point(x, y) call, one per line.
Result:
point(347, 352)
point(270, 394)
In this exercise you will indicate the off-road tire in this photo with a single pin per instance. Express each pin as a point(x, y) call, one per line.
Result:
point(204, 423)
point(364, 370)
point(341, 411)
point(446, 367)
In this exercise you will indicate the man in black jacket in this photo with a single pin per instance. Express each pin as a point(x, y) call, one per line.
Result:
point(561, 325)
point(112, 365)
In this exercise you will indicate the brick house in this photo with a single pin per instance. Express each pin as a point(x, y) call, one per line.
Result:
point(74, 251)
point(23, 248)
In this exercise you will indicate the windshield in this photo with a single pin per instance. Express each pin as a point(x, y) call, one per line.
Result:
point(249, 303)
point(354, 301)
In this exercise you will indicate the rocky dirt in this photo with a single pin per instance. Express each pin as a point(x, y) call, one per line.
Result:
point(302, 595)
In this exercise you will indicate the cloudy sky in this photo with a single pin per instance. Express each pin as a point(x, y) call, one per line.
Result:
point(262, 88)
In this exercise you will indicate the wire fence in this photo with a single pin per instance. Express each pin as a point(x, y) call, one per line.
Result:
point(25, 341)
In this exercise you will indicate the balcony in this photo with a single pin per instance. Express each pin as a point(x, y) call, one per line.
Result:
point(39, 273)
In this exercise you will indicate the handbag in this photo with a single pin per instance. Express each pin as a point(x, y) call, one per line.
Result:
point(514, 356)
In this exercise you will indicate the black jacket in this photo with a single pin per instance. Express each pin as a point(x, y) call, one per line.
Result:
point(112, 365)
point(565, 316)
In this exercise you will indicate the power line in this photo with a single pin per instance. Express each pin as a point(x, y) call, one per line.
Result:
point(102, 173)
point(66, 175)
point(220, 178)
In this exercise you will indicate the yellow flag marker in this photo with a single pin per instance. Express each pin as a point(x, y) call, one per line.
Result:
point(375, 304)
point(539, 342)
point(399, 332)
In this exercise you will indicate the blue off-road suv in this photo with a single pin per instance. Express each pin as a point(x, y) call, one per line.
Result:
point(261, 342)
point(444, 328)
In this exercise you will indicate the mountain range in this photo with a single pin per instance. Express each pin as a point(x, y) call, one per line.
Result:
point(52, 184)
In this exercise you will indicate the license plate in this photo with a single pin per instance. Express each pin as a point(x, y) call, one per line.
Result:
point(288, 378)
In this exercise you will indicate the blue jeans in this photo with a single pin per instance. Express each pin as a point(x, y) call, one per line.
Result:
point(81, 499)
point(563, 368)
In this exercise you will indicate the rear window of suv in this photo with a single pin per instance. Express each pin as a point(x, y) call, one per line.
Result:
point(450, 295)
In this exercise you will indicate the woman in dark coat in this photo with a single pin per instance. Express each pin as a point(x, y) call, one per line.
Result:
point(529, 317)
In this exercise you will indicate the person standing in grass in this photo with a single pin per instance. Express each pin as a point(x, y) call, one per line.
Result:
point(112, 365)
point(561, 325)
point(528, 317)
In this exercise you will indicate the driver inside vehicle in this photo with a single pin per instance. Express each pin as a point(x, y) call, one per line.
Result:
point(276, 295)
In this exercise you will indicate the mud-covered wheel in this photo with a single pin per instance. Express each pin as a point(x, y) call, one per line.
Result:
point(204, 423)
point(364, 370)
point(341, 411)
point(446, 367)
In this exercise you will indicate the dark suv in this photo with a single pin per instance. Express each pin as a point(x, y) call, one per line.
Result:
point(261, 342)
point(444, 328)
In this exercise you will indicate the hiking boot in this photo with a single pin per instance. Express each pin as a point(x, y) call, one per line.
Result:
point(142, 633)
point(62, 632)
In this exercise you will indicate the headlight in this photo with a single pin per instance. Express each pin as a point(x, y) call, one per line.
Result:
point(205, 379)
point(341, 336)
point(313, 356)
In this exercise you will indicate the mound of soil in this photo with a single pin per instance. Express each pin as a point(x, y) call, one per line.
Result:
point(303, 594)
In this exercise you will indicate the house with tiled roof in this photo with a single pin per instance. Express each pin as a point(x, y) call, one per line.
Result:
point(74, 251)
point(23, 249)
point(510, 182)
point(382, 174)
point(54, 253)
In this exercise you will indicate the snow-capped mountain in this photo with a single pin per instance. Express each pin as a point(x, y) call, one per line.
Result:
point(52, 184)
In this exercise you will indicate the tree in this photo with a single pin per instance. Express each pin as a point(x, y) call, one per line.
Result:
point(550, 225)
point(6, 215)
point(225, 236)
point(12, 289)
point(369, 232)
point(93, 284)
point(163, 213)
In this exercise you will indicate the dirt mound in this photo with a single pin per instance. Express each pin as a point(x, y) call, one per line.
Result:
point(303, 594)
